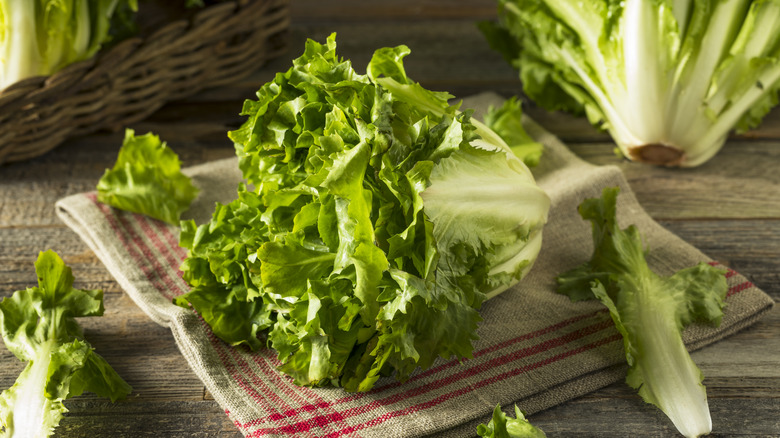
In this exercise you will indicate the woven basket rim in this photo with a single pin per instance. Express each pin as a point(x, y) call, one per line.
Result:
point(129, 80)
point(42, 81)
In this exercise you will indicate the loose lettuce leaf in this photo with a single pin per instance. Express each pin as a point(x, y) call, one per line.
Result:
point(503, 426)
point(38, 326)
point(507, 121)
point(650, 311)
point(354, 245)
point(147, 179)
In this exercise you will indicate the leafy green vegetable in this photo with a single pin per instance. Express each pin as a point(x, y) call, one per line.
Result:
point(506, 121)
point(38, 326)
point(502, 426)
point(40, 37)
point(147, 179)
point(650, 311)
point(668, 78)
point(376, 220)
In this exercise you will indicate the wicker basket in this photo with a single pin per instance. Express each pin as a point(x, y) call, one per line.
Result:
point(129, 81)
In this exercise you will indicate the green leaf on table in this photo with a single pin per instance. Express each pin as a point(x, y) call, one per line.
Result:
point(147, 179)
point(38, 326)
point(507, 122)
point(504, 426)
point(650, 312)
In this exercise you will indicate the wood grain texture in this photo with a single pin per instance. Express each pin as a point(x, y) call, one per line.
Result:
point(729, 208)
point(375, 10)
point(738, 183)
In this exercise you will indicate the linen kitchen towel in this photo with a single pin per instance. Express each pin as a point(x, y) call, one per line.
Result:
point(536, 348)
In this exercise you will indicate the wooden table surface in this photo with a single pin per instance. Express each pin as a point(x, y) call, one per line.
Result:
point(729, 208)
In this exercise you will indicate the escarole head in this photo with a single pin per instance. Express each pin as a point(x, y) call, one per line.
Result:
point(669, 79)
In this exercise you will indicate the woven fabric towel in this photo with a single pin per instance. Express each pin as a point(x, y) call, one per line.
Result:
point(536, 348)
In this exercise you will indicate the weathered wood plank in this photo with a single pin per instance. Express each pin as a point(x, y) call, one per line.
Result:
point(611, 416)
point(97, 418)
point(360, 10)
point(739, 182)
point(754, 368)
point(744, 363)
point(717, 387)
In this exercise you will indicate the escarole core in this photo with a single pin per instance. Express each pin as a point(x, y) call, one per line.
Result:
point(669, 79)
